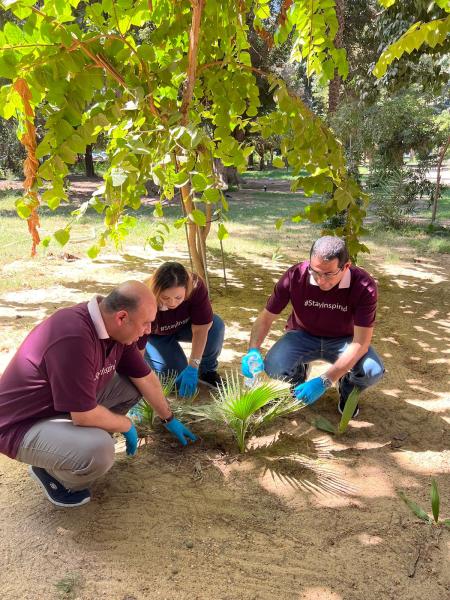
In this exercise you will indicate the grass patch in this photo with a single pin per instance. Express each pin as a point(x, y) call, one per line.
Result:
point(443, 210)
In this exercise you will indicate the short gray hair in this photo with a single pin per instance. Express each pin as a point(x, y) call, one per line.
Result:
point(328, 248)
point(117, 300)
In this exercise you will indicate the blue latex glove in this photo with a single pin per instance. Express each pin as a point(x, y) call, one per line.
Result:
point(252, 363)
point(131, 438)
point(310, 391)
point(181, 432)
point(187, 381)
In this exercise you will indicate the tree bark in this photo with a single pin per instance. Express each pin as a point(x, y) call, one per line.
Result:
point(437, 191)
point(334, 88)
point(196, 242)
point(88, 162)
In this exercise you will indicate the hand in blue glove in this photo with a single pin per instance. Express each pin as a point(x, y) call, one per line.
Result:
point(252, 363)
point(310, 391)
point(181, 432)
point(131, 438)
point(187, 381)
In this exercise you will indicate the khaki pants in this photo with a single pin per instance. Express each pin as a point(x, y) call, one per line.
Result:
point(77, 456)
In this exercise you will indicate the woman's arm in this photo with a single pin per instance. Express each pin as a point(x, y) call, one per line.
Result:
point(199, 337)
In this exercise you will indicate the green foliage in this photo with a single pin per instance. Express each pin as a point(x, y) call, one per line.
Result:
point(349, 409)
point(119, 73)
point(325, 425)
point(143, 414)
point(435, 507)
point(316, 26)
point(69, 586)
point(435, 501)
point(245, 410)
point(395, 195)
point(431, 34)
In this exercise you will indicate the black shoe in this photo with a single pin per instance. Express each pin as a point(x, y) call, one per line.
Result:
point(212, 379)
point(301, 375)
point(341, 406)
point(56, 492)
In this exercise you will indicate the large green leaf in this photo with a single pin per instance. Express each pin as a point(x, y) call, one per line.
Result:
point(416, 509)
point(435, 502)
point(349, 409)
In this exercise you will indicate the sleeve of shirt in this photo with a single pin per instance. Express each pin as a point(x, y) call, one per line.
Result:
point(132, 363)
point(366, 308)
point(70, 370)
point(281, 295)
point(201, 309)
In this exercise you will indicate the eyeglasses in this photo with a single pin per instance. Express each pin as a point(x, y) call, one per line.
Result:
point(317, 275)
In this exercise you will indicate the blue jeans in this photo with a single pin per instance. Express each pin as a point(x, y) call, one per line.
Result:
point(288, 359)
point(163, 352)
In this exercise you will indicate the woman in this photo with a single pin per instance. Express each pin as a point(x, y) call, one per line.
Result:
point(184, 315)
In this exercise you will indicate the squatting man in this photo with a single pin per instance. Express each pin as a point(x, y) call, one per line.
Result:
point(332, 319)
point(70, 385)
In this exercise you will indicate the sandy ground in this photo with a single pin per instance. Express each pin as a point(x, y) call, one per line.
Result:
point(302, 516)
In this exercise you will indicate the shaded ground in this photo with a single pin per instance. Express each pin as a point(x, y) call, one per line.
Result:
point(302, 516)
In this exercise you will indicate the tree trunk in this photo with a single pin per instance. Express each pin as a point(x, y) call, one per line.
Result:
point(261, 162)
point(88, 162)
point(334, 88)
point(251, 160)
point(437, 191)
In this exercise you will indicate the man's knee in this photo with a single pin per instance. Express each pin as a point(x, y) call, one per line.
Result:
point(274, 365)
point(371, 372)
point(98, 456)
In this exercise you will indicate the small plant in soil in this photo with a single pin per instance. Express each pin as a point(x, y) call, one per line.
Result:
point(435, 507)
point(143, 415)
point(67, 587)
point(325, 425)
point(244, 410)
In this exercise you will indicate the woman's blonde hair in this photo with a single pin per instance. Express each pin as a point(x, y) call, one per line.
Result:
point(169, 275)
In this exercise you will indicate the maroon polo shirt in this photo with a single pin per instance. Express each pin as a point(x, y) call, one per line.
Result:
point(332, 313)
point(196, 310)
point(60, 368)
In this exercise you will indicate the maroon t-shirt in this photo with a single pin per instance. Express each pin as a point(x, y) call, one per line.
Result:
point(331, 313)
point(196, 309)
point(60, 367)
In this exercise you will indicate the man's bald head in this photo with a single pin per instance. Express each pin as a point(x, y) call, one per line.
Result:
point(128, 296)
point(128, 311)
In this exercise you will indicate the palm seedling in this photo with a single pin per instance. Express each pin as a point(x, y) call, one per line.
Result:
point(143, 415)
point(349, 409)
point(244, 410)
point(435, 507)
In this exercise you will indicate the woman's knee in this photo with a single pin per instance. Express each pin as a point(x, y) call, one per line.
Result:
point(218, 326)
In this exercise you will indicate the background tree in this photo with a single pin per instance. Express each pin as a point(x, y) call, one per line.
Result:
point(168, 106)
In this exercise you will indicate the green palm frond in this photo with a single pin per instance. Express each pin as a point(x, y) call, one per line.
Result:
point(168, 382)
point(246, 410)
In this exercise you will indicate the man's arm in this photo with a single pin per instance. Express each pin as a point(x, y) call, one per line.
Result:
point(151, 390)
point(199, 338)
point(356, 349)
point(261, 328)
point(103, 418)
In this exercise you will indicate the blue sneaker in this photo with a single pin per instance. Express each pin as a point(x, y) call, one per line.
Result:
point(56, 492)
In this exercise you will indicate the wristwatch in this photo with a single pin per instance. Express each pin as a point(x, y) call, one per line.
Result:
point(195, 362)
point(165, 421)
point(326, 381)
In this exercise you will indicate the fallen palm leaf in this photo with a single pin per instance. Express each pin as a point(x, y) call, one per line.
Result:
point(324, 425)
point(416, 509)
